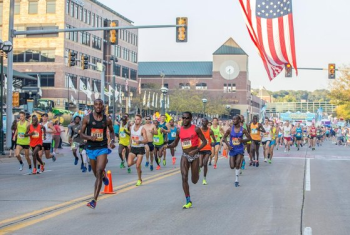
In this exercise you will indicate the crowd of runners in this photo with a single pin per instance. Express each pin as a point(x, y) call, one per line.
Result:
point(93, 137)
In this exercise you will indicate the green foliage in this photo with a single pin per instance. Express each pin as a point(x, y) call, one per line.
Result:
point(340, 94)
point(297, 96)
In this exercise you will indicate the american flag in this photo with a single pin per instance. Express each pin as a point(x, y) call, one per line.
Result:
point(270, 26)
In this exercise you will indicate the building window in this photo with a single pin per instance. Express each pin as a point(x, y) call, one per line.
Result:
point(17, 7)
point(84, 38)
point(93, 20)
point(88, 19)
point(84, 16)
point(228, 88)
point(125, 72)
point(201, 86)
point(67, 7)
point(81, 13)
point(33, 7)
point(34, 56)
point(71, 9)
point(185, 86)
point(98, 21)
point(18, 56)
point(50, 6)
point(166, 85)
point(47, 56)
point(117, 70)
point(96, 42)
point(118, 51)
point(133, 74)
point(47, 80)
point(71, 78)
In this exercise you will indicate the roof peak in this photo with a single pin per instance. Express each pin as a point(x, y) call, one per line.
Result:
point(230, 47)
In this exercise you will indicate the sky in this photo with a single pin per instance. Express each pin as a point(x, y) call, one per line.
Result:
point(321, 32)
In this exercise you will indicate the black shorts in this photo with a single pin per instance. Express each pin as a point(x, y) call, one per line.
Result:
point(46, 146)
point(39, 146)
point(319, 137)
point(205, 152)
point(256, 142)
point(264, 142)
point(24, 146)
point(159, 147)
point(138, 150)
point(170, 141)
point(151, 146)
point(298, 138)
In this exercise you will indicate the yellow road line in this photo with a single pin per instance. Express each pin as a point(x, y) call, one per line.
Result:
point(47, 209)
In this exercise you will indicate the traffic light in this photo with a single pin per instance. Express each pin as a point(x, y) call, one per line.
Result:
point(66, 106)
point(288, 70)
point(331, 71)
point(71, 58)
point(181, 32)
point(84, 61)
point(15, 99)
point(113, 33)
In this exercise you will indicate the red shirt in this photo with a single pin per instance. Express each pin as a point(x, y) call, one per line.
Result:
point(189, 137)
point(313, 131)
point(37, 138)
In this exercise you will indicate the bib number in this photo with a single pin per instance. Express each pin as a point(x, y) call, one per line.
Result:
point(156, 140)
point(98, 133)
point(122, 135)
point(235, 141)
point(173, 134)
point(134, 140)
point(186, 144)
point(35, 135)
point(266, 134)
point(21, 135)
point(254, 131)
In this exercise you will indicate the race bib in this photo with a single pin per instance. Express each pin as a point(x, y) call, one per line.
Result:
point(122, 134)
point(173, 134)
point(98, 133)
point(266, 134)
point(286, 132)
point(134, 140)
point(254, 131)
point(21, 135)
point(298, 134)
point(235, 141)
point(156, 139)
point(35, 135)
point(186, 143)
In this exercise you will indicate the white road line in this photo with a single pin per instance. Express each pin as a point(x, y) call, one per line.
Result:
point(308, 177)
point(308, 231)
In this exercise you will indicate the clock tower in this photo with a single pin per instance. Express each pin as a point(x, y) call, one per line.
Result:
point(230, 73)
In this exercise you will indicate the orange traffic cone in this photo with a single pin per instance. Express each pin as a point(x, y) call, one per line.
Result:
point(224, 153)
point(109, 188)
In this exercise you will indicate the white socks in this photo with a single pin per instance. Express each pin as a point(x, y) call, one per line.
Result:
point(83, 153)
point(237, 174)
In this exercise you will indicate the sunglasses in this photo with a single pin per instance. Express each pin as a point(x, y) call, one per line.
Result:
point(147, 119)
point(186, 118)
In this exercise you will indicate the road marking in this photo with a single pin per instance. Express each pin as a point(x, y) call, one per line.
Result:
point(308, 177)
point(77, 200)
point(308, 231)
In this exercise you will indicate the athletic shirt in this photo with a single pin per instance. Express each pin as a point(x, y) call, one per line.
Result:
point(299, 131)
point(286, 131)
point(21, 130)
point(217, 133)
point(164, 127)
point(255, 131)
point(267, 134)
point(37, 138)
point(273, 133)
point(75, 133)
point(318, 132)
point(313, 131)
point(48, 134)
point(172, 134)
point(136, 136)
point(124, 136)
point(98, 129)
point(207, 137)
point(158, 139)
point(189, 137)
point(234, 140)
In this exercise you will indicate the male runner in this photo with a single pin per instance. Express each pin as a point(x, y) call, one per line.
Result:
point(206, 150)
point(236, 145)
point(95, 125)
point(319, 135)
point(37, 133)
point(287, 129)
point(274, 134)
point(312, 134)
point(158, 142)
point(22, 141)
point(166, 127)
point(189, 135)
point(77, 142)
point(255, 130)
point(171, 138)
point(218, 132)
point(138, 140)
point(124, 141)
point(150, 131)
point(298, 135)
point(48, 141)
point(266, 140)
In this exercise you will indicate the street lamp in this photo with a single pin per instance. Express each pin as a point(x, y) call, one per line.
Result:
point(204, 100)
point(5, 48)
point(164, 90)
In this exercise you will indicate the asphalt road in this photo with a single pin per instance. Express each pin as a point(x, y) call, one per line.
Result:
point(273, 199)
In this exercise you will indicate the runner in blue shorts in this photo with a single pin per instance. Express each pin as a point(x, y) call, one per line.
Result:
point(96, 125)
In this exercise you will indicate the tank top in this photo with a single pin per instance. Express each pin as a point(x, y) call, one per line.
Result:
point(37, 138)
point(313, 131)
point(286, 131)
point(207, 137)
point(255, 131)
point(267, 134)
point(158, 139)
point(136, 136)
point(318, 132)
point(98, 129)
point(217, 133)
point(273, 133)
point(172, 134)
point(236, 145)
point(164, 127)
point(299, 132)
point(124, 135)
point(48, 134)
point(189, 137)
point(21, 130)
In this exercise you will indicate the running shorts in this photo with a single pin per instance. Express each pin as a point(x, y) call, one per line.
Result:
point(138, 150)
point(215, 144)
point(24, 146)
point(205, 152)
point(159, 147)
point(33, 147)
point(94, 153)
point(264, 142)
point(170, 141)
point(189, 157)
point(319, 137)
point(256, 142)
point(288, 139)
point(298, 138)
point(150, 146)
point(46, 146)
point(272, 143)
point(235, 153)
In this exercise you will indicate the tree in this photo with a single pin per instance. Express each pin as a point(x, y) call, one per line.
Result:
point(340, 94)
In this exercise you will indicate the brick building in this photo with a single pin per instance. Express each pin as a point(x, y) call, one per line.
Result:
point(45, 56)
point(226, 77)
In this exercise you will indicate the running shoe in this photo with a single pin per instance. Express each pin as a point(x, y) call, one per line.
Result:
point(243, 164)
point(76, 161)
point(38, 169)
point(174, 160)
point(122, 165)
point(253, 163)
point(187, 206)
point(204, 182)
point(257, 164)
point(236, 184)
point(105, 180)
point(147, 164)
point(158, 160)
point(89, 168)
point(129, 170)
point(151, 167)
point(265, 159)
point(164, 162)
point(34, 171)
point(21, 166)
point(91, 204)
point(84, 169)
point(250, 163)
point(298, 149)
point(158, 168)
point(270, 161)
point(29, 171)
point(215, 166)
point(42, 169)
point(81, 166)
point(54, 157)
point(209, 163)
point(139, 182)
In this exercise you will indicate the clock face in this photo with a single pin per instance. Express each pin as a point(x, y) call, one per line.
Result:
point(229, 70)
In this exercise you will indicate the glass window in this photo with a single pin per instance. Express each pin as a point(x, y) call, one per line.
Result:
point(17, 7)
point(93, 20)
point(71, 9)
point(18, 56)
point(47, 56)
point(50, 6)
point(133, 74)
point(125, 72)
point(76, 11)
point(47, 80)
point(67, 7)
point(117, 70)
point(81, 13)
point(88, 19)
point(32, 56)
point(97, 21)
point(84, 15)
point(33, 7)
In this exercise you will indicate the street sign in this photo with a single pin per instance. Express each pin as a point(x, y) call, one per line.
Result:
point(30, 89)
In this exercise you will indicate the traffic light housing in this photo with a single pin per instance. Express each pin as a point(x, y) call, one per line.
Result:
point(113, 33)
point(15, 99)
point(181, 32)
point(288, 70)
point(72, 57)
point(331, 71)
point(66, 106)
point(84, 61)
